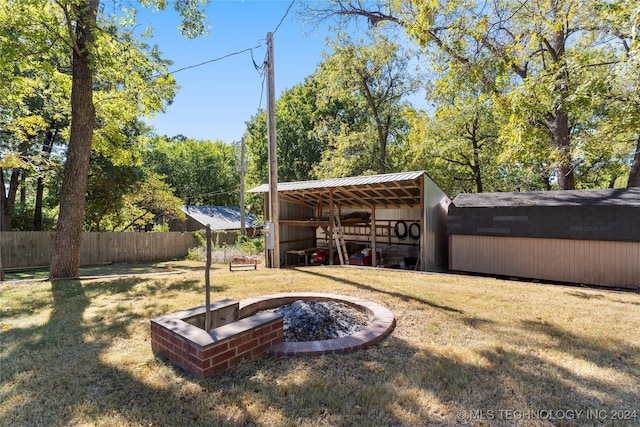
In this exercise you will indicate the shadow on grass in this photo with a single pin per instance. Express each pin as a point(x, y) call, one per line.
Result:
point(397, 384)
point(401, 296)
point(54, 374)
point(585, 295)
point(621, 356)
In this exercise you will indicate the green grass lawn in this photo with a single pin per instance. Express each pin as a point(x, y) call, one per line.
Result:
point(466, 350)
point(89, 271)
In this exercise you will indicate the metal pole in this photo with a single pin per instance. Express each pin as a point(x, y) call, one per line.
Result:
point(207, 283)
point(273, 153)
point(243, 230)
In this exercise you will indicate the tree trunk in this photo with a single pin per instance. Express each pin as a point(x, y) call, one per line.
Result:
point(66, 255)
point(3, 202)
point(634, 173)
point(8, 200)
point(23, 188)
point(383, 132)
point(559, 129)
point(47, 146)
point(37, 211)
point(477, 177)
point(475, 142)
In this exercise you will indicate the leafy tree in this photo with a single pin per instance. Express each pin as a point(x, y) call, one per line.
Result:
point(299, 150)
point(614, 138)
point(345, 119)
point(370, 80)
point(107, 186)
point(152, 200)
point(556, 56)
point(33, 90)
point(124, 198)
point(201, 172)
point(258, 149)
point(81, 18)
point(86, 32)
point(458, 142)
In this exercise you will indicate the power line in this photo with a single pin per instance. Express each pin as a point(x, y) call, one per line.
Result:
point(265, 60)
point(284, 16)
point(215, 193)
point(249, 49)
point(259, 68)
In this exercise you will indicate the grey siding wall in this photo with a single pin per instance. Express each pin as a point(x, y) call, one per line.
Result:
point(611, 223)
point(294, 238)
point(600, 263)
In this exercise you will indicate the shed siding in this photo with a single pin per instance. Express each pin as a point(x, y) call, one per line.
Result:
point(603, 263)
point(294, 237)
point(434, 237)
point(612, 223)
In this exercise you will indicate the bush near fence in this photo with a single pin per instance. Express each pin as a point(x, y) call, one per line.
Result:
point(22, 249)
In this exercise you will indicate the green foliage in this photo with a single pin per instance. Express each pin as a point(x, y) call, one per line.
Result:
point(298, 148)
point(201, 237)
point(201, 172)
point(23, 218)
point(362, 87)
point(35, 109)
point(221, 254)
point(561, 77)
point(253, 246)
point(161, 228)
point(344, 120)
point(124, 198)
point(194, 254)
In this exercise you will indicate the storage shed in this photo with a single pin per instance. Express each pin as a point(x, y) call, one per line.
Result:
point(578, 236)
point(395, 220)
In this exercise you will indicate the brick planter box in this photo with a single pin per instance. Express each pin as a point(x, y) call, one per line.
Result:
point(181, 337)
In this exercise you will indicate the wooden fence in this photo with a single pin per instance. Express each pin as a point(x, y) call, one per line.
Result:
point(20, 249)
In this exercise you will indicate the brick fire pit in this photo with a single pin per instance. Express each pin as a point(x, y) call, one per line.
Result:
point(241, 330)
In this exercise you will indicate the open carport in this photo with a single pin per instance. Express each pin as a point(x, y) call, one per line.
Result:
point(398, 218)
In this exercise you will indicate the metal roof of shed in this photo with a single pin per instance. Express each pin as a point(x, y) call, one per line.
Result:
point(219, 217)
point(393, 190)
point(608, 197)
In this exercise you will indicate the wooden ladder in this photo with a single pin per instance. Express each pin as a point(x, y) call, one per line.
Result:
point(338, 237)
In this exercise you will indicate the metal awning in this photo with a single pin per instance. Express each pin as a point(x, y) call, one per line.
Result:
point(393, 190)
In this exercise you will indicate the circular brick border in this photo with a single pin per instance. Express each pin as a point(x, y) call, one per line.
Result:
point(381, 323)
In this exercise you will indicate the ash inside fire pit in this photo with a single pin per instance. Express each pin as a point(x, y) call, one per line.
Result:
point(317, 321)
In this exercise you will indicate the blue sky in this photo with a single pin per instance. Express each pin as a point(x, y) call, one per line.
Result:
point(215, 100)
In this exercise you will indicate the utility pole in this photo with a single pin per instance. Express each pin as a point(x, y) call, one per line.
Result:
point(273, 156)
point(243, 169)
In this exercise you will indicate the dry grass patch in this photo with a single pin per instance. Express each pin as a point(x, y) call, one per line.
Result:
point(465, 350)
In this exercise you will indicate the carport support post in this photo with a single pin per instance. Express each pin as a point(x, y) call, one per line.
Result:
point(331, 227)
point(374, 261)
